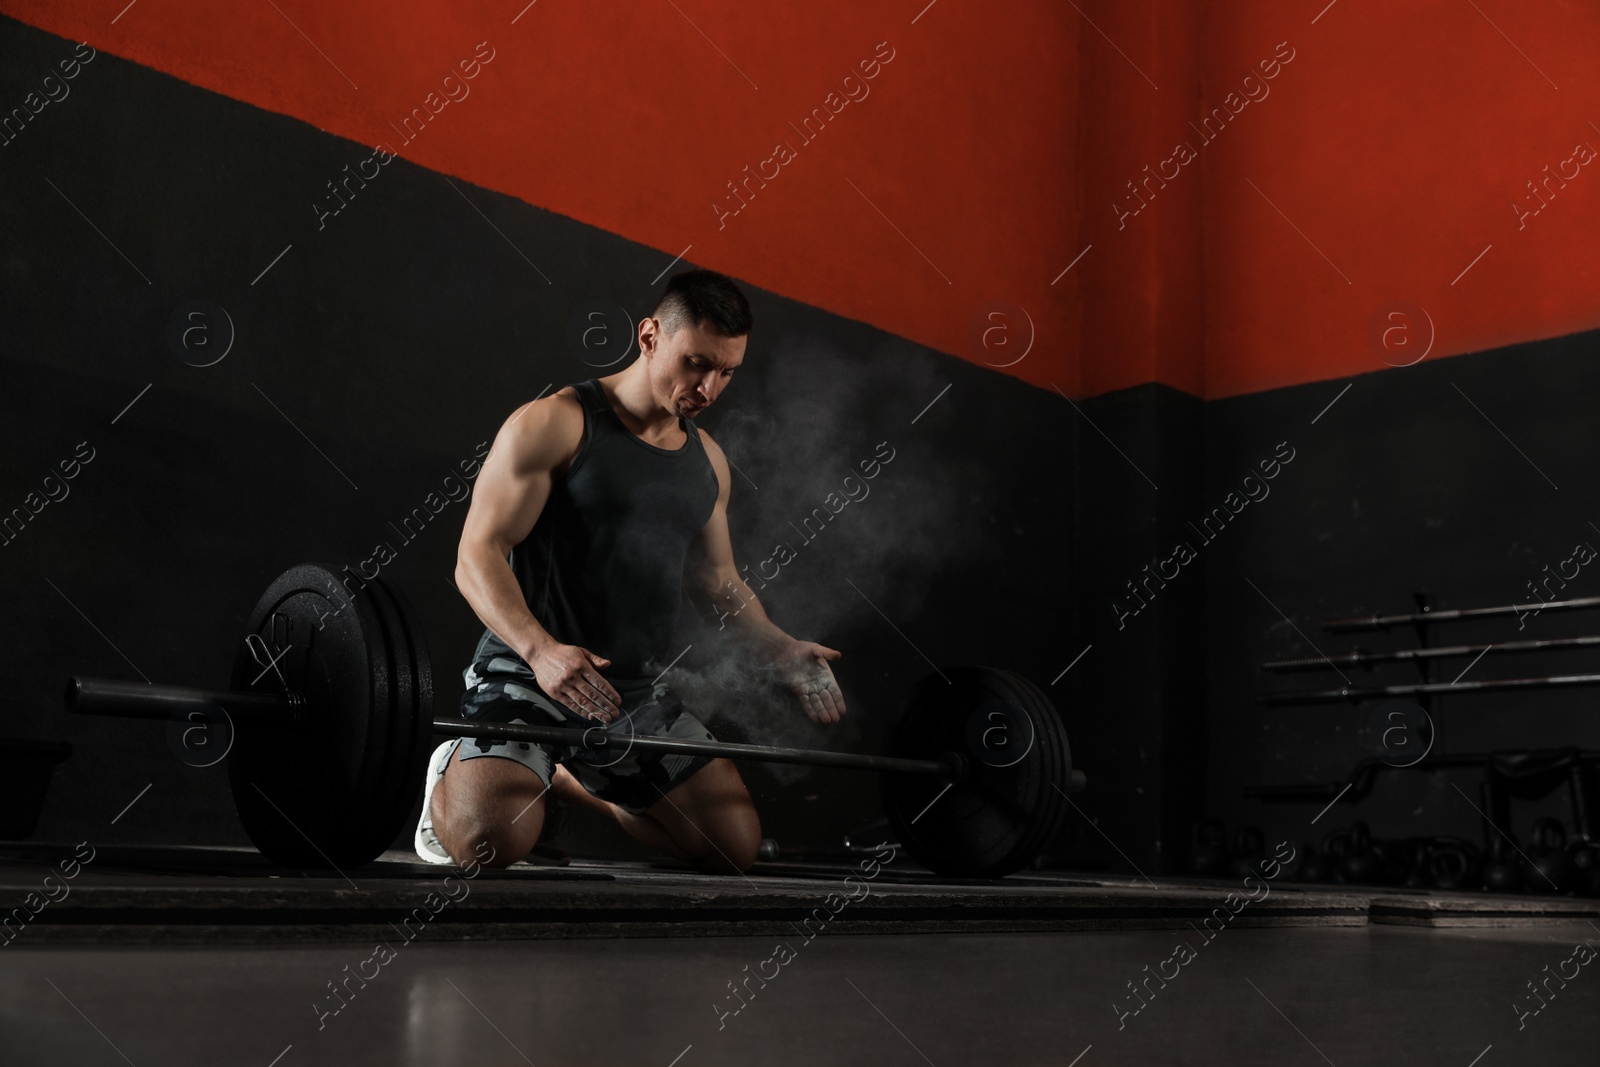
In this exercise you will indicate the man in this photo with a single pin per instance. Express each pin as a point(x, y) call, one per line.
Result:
point(596, 509)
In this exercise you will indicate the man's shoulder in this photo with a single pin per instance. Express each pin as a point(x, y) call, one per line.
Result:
point(560, 407)
point(548, 429)
point(567, 401)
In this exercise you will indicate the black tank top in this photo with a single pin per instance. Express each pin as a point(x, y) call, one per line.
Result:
point(602, 567)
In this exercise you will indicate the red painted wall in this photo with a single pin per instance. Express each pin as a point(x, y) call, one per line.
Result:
point(941, 189)
point(1396, 141)
point(1140, 280)
point(1366, 176)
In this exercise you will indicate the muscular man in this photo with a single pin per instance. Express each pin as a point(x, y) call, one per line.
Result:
point(597, 509)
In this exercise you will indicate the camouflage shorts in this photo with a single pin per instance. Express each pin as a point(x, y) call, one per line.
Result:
point(503, 688)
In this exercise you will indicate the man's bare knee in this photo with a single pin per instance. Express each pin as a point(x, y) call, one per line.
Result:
point(491, 834)
point(488, 812)
point(488, 842)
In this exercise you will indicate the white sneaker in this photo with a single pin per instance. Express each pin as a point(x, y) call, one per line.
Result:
point(426, 841)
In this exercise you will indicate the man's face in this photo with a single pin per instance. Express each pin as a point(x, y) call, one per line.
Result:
point(689, 369)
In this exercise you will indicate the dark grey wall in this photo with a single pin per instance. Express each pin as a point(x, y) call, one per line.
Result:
point(1461, 479)
point(1137, 693)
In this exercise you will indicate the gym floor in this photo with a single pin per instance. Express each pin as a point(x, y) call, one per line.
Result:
point(206, 956)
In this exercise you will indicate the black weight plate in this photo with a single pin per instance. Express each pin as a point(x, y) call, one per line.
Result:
point(367, 769)
point(399, 714)
point(1019, 769)
point(1044, 713)
point(1009, 806)
point(411, 731)
point(309, 794)
point(1040, 814)
point(421, 723)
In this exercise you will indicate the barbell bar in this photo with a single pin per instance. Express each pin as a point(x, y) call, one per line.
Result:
point(332, 692)
point(140, 700)
point(1486, 685)
point(1360, 657)
point(1384, 622)
point(597, 739)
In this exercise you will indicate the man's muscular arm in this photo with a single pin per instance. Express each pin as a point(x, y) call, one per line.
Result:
point(713, 579)
point(509, 496)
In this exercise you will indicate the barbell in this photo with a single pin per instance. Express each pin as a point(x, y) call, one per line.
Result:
point(328, 720)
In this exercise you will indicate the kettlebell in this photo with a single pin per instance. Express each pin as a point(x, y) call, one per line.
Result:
point(1312, 865)
point(1585, 867)
point(1335, 848)
point(1249, 848)
point(1208, 856)
point(1362, 863)
point(1452, 862)
point(1503, 872)
point(1412, 862)
point(1552, 867)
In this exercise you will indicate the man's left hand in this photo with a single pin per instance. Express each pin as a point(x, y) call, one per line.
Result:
point(803, 667)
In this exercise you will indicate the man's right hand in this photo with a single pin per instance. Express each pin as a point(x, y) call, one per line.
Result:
point(571, 675)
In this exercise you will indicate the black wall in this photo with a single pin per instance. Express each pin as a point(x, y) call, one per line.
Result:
point(1137, 695)
point(1459, 480)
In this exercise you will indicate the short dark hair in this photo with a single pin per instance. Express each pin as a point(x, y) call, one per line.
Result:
point(703, 299)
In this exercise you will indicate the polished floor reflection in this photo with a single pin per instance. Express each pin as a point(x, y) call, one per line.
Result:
point(1361, 995)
